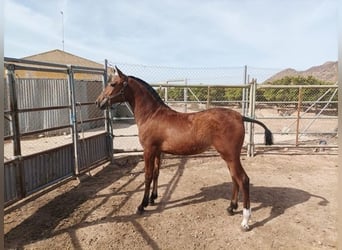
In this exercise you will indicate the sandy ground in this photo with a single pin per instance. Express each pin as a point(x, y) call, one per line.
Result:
point(293, 200)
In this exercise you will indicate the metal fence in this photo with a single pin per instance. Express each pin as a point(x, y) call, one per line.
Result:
point(52, 128)
point(54, 131)
point(301, 117)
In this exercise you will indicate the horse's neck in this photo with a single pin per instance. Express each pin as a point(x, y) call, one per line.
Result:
point(144, 105)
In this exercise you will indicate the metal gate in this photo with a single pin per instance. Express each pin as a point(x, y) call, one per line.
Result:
point(53, 130)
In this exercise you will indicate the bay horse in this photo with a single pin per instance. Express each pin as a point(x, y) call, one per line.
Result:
point(164, 130)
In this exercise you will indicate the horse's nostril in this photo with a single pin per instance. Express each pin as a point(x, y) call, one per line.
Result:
point(102, 104)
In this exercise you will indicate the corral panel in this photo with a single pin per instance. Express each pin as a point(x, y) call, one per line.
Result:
point(11, 192)
point(92, 149)
point(47, 167)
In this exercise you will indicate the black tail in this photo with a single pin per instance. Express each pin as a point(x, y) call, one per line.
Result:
point(268, 133)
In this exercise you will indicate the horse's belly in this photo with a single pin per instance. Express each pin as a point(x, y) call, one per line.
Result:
point(184, 148)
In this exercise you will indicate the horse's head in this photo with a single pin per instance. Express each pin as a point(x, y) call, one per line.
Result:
point(114, 91)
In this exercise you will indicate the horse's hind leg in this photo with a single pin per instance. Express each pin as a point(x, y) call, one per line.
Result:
point(156, 168)
point(234, 201)
point(240, 182)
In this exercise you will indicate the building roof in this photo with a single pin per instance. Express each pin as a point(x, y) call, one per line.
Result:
point(62, 57)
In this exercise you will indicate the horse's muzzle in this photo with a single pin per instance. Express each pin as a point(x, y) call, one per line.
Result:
point(102, 104)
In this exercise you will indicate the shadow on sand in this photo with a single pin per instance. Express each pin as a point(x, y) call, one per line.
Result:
point(44, 222)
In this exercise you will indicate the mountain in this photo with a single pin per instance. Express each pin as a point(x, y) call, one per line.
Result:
point(326, 72)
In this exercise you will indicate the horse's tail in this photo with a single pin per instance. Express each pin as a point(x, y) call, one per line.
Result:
point(268, 133)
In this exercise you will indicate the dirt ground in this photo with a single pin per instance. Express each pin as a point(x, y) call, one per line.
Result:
point(293, 200)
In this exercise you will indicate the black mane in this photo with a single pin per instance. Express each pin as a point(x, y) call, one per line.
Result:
point(149, 89)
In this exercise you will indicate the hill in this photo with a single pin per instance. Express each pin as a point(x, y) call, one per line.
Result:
point(326, 72)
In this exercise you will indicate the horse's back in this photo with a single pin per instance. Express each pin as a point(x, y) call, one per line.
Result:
point(226, 125)
point(193, 133)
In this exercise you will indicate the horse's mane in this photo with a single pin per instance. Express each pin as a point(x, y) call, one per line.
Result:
point(150, 89)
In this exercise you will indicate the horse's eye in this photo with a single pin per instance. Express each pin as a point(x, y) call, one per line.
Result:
point(112, 84)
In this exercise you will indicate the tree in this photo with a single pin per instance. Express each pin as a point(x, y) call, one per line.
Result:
point(291, 94)
point(233, 94)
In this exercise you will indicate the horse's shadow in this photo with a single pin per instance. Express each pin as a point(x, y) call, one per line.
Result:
point(279, 199)
point(44, 222)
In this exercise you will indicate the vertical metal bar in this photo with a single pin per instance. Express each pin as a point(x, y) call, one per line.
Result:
point(298, 114)
point(20, 176)
point(244, 108)
point(250, 147)
point(166, 92)
point(208, 97)
point(253, 114)
point(108, 119)
point(185, 96)
point(247, 98)
point(73, 119)
point(249, 124)
point(14, 110)
point(248, 90)
point(104, 83)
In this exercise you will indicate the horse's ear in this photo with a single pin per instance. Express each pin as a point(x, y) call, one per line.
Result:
point(110, 74)
point(110, 77)
point(111, 71)
point(119, 73)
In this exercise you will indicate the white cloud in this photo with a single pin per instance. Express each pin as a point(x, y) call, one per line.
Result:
point(28, 30)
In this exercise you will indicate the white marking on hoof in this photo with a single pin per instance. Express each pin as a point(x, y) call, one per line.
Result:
point(246, 215)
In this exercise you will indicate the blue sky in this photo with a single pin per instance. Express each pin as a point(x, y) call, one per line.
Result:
point(178, 33)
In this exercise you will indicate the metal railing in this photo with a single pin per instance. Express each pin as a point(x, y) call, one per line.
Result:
point(303, 117)
point(53, 130)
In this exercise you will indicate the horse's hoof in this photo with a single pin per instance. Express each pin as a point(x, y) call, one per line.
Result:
point(152, 203)
point(230, 211)
point(140, 210)
point(245, 228)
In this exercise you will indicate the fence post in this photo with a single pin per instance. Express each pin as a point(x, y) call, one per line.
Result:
point(250, 145)
point(73, 119)
point(185, 96)
point(298, 114)
point(244, 93)
point(108, 119)
point(20, 176)
point(166, 92)
point(14, 109)
point(208, 97)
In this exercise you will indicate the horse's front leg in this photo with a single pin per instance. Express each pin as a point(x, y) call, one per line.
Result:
point(149, 156)
point(156, 168)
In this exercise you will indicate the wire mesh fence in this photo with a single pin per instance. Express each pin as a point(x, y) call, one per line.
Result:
point(53, 129)
point(89, 117)
point(196, 75)
point(300, 115)
point(303, 115)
